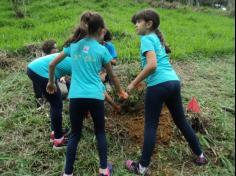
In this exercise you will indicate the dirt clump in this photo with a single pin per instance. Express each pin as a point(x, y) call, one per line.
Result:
point(131, 126)
point(10, 63)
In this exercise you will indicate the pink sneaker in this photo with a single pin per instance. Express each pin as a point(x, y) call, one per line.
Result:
point(201, 161)
point(60, 145)
point(52, 137)
point(133, 167)
point(65, 134)
point(108, 170)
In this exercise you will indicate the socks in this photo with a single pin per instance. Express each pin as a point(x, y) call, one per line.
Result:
point(59, 140)
point(142, 169)
point(202, 156)
point(67, 174)
point(103, 171)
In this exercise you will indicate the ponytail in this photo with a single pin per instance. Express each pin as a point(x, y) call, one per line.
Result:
point(82, 30)
point(161, 37)
point(79, 34)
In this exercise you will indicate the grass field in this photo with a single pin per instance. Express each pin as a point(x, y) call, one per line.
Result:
point(191, 34)
point(202, 44)
point(25, 150)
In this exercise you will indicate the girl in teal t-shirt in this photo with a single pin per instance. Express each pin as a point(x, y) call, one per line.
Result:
point(38, 71)
point(86, 90)
point(163, 87)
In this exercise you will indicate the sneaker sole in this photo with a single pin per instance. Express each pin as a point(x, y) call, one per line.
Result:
point(110, 167)
point(148, 172)
point(58, 148)
point(66, 134)
point(66, 138)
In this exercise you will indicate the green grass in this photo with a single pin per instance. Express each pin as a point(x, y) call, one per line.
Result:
point(190, 33)
point(201, 40)
point(25, 148)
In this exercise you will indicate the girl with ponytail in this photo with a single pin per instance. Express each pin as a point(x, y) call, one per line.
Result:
point(163, 86)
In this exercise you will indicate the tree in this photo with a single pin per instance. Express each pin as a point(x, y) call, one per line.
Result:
point(194, 2)
point(231, 7)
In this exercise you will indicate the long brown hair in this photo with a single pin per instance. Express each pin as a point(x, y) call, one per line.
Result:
point(82, 29)
point(151, 15)
point(95, 23)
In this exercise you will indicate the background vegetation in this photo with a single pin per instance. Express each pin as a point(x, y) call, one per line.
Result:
point(202, 40)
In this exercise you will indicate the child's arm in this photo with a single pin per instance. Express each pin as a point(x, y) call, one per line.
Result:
point(109, 99)
point(122, 94)
point(150, 67)
point(51, 87)
point(113, 61)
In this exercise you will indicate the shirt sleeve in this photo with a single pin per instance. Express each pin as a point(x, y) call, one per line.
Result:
point(113, 51)
point(106, 57)
point(103, 88)
point(146, 45)
point(67, 51)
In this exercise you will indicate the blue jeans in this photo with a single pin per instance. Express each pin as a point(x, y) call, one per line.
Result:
point(55, 101)
point(170, 94)
point(78, 108)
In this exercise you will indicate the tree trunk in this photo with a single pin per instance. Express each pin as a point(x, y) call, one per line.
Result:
point(197, 3)
point(190, 2)
point(231, 7)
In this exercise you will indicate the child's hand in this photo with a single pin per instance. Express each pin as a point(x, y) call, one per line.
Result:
point(117, 108)
point(140, 86)
point(63, 80)
point(51, 88)
point(123, 95)
point(103, 76)
point(131, 87)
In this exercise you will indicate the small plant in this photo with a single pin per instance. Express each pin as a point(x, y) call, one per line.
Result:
point(19, 7)
point(127, 73)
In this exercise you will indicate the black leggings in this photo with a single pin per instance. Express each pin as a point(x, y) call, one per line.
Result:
point(55, 101)
point(78, 108)
point(170, 94)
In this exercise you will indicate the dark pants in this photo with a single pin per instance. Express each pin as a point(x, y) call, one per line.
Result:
point(55, 101)
point(79, 107)
point(68, 85)
point(170, 94)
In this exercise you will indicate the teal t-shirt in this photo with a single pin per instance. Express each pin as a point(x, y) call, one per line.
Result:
point(112, 50)
point(40, 66)
point(164, 71)
point(88, 58)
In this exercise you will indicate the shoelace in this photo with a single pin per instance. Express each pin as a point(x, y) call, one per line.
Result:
point(102, 175)
point(135, 167)
point(201, 161)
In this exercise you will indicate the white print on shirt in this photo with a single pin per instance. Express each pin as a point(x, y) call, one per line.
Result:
point(86, 49)
point(86, 57)
point(76, 56)
point(89, 58)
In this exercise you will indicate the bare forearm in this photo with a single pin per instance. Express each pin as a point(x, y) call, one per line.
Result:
point(109, 99)
point(113, 77)
point(116, 83)
point(52, 66)
point(143, 75)
point(51, 73)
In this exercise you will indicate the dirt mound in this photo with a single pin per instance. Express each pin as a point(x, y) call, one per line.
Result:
point(8, 62)
point(34, 50)
point(131, 126)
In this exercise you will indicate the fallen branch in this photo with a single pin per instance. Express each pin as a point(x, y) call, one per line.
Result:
point(228, 109)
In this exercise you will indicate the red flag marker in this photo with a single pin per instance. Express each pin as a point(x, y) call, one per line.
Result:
point(194, 106)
